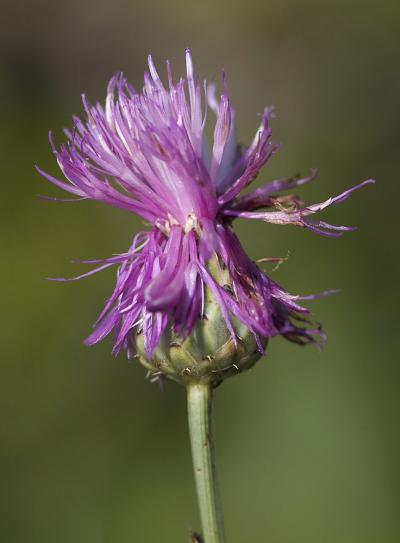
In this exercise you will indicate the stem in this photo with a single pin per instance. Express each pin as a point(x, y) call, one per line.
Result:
point(203, 454)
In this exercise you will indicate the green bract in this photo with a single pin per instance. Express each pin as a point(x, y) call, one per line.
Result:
point(209, 354)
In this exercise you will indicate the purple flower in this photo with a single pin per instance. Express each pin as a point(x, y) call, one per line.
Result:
point(147, 153)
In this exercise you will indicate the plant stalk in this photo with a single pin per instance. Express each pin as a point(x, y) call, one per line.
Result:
point(199, 397)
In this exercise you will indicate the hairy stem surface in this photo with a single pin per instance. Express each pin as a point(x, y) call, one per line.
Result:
point(203, 454)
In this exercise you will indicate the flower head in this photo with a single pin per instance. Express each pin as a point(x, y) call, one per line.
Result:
point(147, 153)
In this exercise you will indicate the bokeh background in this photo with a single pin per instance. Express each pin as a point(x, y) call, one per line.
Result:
point(308, 442)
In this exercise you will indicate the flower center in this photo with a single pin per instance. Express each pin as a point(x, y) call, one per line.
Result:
point(191, 223)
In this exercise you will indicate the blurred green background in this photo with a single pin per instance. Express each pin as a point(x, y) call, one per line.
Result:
point(308, 442)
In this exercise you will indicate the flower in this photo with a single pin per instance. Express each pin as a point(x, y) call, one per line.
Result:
point(147, 153)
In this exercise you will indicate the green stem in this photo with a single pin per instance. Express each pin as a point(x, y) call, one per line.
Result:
point(203, 454)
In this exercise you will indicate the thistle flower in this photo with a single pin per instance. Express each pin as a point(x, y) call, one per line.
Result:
point(188, 300)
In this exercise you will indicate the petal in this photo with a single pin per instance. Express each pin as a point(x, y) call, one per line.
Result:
point(297, 217)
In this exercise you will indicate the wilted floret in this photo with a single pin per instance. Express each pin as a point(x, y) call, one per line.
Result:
point(147, 153)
